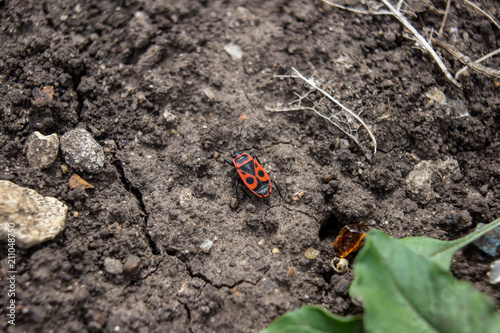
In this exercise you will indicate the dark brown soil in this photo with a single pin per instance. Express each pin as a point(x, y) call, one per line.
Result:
point(117, 67)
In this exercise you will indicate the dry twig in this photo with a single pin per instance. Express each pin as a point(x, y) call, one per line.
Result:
point(489, 55)
point(475, 65)
point(440, 33)
point(344, 119)
point(402, 19)
point(476, 7)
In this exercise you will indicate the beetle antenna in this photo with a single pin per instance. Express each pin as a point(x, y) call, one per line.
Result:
point(239, 136)
point(218, 146)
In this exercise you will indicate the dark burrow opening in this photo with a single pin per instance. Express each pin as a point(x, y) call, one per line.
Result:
point(330, 227)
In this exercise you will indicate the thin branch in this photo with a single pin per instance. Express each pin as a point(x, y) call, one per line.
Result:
point(345, 120)
point(400, 3)
point(491, 18)
point(357, 11)
point(440, 33)
point(355, 116)
point(489, 55)
point(422, 41)
point(455, 53)
point(402, 19)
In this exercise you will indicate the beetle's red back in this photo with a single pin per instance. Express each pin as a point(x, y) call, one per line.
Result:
point(253, 175)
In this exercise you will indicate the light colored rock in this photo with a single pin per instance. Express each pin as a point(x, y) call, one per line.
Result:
point(169, 116)
point(234, 51)
point(185, 196)
point(206, 246)
point(81, 151)
point(419, 182)
point(41, 150)
point(33, 218)
point(436, 96)
point(113, 266)
point(494, 273)
point(209, 93)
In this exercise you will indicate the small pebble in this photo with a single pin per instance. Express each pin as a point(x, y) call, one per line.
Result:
point(41, 150)
point(169, 116)
point(131, 265)
point(275, 250)
point(494, 273)
point(419, 182)
point(185, 196)
point(206, 246)
point(436, 96)
point(113, 266)
point(81, 151)
point(234, 51)
point(399, 214)
point(209, 93)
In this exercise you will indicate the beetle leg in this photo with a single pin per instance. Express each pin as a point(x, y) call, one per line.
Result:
point(279, 192)
point(235, 202)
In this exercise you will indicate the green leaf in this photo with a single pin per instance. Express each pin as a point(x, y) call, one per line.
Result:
point(405, 291)
point(441, 252)
point(314, 319)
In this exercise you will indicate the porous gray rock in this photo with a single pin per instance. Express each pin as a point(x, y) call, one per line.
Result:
point(29, 216)
point(81, 151)
point(421, 180)
point(419, 183)
point(113, 266)
point(41, 150)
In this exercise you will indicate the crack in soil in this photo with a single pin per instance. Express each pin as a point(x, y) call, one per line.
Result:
point(291, 210)
point(222, 285)
point(138, 195)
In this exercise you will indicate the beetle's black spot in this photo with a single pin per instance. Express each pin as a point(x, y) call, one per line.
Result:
point(249, 180)
point(261, 173)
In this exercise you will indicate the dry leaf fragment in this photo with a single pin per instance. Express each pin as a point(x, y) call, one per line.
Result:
point(78, 182)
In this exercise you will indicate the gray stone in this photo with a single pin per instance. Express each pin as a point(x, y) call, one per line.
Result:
point(206, 246)
point(234, 51)
point(421, 180)
point(27, 215)
point(41, 150)
point(81, 151)
point(113, 266)
point(419, 183)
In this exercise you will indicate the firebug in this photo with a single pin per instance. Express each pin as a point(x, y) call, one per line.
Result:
point(251, 172)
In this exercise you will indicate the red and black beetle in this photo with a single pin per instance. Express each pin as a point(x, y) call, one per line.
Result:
point(251, 172)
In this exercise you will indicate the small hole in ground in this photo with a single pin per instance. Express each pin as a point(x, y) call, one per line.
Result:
point(330, 228)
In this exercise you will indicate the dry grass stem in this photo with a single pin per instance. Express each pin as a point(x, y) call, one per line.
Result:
point(489, 55)
point(418, 37)
point(326, 106)
point(476, 7)
point(474, 65)
point(355, 10)
point(440, 33)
